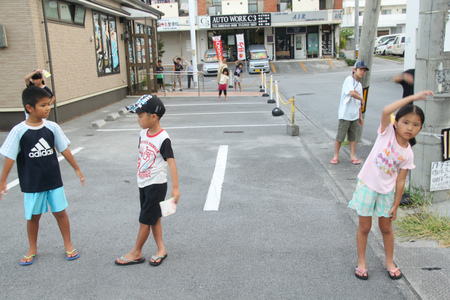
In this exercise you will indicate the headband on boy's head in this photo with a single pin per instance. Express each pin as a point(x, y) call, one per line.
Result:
point(149, 104)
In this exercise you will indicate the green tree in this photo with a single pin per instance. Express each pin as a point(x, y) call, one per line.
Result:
point(160, 47)
point(343, 37)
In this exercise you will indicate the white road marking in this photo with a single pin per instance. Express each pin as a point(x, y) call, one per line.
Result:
point(60, 158)
point(211, 113)
point(195, 127)
point(215, 188)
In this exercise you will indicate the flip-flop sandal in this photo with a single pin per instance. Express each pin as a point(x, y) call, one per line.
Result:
point(364, 274)
point(129, 262)
point(70, 253)
point(393, 271)
point(155, 263)
point(27, 263)
point(356, 161)
point(334, 161)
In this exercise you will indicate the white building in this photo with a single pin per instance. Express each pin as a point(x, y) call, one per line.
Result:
point(392, 18)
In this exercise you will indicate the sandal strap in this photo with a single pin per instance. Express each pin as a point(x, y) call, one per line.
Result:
point(28, 257)
point(395, 270)
point(71, 251)
point(361, 270)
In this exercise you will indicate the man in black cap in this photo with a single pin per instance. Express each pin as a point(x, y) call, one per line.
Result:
point(350, 112)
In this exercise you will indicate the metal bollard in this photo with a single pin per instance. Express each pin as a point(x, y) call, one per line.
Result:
point(271, 100)
point(276, 112)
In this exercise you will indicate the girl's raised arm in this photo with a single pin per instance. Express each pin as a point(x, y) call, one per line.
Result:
point(391, 108)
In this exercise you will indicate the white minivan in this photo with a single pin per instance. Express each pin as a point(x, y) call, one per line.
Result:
point(398, 48)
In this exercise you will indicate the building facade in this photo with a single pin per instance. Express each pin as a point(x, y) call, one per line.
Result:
point(96, 51)
point(392, 19)
point(289, 29)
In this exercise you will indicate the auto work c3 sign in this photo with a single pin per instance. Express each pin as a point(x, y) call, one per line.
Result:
point(249, 20)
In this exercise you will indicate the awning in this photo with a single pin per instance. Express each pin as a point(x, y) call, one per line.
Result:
point(138, 14)
point(96, 5)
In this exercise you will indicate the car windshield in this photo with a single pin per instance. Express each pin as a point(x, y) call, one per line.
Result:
point(258, 55)
point(211, 58)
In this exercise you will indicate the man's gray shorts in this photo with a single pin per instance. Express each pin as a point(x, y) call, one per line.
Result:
point(349, 128)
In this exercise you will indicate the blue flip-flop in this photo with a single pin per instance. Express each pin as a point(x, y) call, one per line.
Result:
point(73, 257)
point(28, 262)
point(155, 263)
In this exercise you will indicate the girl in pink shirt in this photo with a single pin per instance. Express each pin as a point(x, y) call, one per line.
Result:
point(384, 173)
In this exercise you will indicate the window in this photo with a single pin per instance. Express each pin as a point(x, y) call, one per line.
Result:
point(65, 12)
point(361, 13)
point(385, 11)
point(215, 7)
point(403, 10)
point(107, 53)
point(252, 6)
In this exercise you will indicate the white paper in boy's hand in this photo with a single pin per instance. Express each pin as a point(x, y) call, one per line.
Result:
point(168, 207)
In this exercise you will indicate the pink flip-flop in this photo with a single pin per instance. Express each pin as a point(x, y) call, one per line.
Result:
point(334, 161)
point(356, 161)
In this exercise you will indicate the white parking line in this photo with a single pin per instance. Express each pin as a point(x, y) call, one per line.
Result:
point(60, 158)
point(215, 188)
point(195, 127)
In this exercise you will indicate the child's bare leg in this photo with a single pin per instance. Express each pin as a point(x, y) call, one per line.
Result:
point(385, 225)
point(362, 234)
point(64, 226)
point(235, 87)
point(32, 230)
point(157, 235)
point(136, 252)
point(352, 150)
point(337, 147)
point(240, 88)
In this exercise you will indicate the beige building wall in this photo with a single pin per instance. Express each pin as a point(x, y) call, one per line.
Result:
point(73, 55)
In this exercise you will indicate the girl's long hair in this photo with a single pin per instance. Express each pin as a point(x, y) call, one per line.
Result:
point(407, 109)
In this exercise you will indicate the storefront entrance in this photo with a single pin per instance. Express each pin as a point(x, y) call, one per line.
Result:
point(300, 51)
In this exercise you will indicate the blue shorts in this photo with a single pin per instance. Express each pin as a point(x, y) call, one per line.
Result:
point(367, 202)
point(36, 203)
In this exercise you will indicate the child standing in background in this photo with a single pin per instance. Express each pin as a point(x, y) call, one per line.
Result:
point(223, 84)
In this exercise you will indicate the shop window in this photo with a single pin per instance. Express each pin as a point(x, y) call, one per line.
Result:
point(64, 12)
point(252, 6)
point(106, 48)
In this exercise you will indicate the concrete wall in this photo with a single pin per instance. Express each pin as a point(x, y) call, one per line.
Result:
point(305, 5)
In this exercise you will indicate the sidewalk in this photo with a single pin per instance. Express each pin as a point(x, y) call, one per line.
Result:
point(425, 265)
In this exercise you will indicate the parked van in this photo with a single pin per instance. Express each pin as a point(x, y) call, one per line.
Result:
point(257, 59)
point(398, 48)
point(381, 39)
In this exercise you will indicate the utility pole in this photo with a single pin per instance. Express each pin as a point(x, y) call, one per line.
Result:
point(432, 63)
point(368, 34)
point(192, 15)
point(356, 30)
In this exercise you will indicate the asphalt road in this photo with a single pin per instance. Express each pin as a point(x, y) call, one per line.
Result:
point(280, 232)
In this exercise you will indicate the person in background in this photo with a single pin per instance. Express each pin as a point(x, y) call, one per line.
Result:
point(36, 78)
point(190, 76)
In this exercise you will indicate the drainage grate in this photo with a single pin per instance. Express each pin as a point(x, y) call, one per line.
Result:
point(233, 131)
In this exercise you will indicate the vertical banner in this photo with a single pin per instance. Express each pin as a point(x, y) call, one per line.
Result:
point(218, 46)
point(240, 46)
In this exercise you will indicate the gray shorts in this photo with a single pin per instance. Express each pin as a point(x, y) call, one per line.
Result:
point(349, 128)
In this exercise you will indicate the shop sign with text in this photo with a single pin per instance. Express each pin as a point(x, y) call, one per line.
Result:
point(232, 21)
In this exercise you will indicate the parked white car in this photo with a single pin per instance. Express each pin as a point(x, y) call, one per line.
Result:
point(382, 48)
point(381, 39)
point(399, 46)
point(389, 48)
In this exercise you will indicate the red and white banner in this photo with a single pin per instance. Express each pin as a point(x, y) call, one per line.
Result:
point(218, 46)
point(240, 46)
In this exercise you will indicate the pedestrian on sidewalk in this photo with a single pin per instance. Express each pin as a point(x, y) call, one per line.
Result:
point(238, 75)
point(155, 154)
point(350, 112)
point(382, 178)
point(178, 67)
point(190, 76)
point(223, 84)
point(160, 75)
point(34, 144)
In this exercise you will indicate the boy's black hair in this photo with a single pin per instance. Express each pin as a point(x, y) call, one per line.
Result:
point(31, 95)
point(37, 76)
point(407, 109)
point(159, 61)
point(240, 64)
